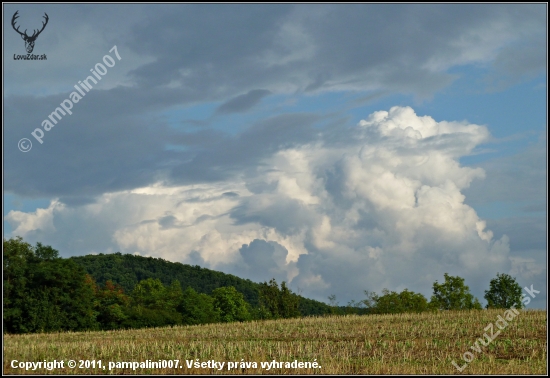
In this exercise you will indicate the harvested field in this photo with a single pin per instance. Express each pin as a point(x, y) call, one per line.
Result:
point(375, 344)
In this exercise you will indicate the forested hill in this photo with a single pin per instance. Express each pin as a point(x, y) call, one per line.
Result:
point(46, 293)
point(127, 270)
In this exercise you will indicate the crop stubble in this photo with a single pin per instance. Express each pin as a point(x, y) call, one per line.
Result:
point(374, 344)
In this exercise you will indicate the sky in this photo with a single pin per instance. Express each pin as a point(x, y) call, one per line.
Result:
point(340, 148)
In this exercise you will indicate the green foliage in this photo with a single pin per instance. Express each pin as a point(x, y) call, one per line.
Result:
point(110, 304)
point(269, 300)
point(230, 304)
point(392, 302)
point(43, 292)
point(278, 303)
point(288, 302)
point(154, 305)
point(45, 252)
point(174, 294)
point(354, 308)
point(149, 293)
point(333, 304)
point(197, 308)
point(453, 294)
point(143, 317)
point(16, 257)
point(504, 292)
point(127, 270)
point(309, 307)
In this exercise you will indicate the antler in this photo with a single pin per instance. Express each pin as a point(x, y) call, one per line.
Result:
point(36, 34)
point(24, 35)
point(15, 16)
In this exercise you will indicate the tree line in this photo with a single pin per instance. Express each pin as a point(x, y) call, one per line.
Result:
point(452, 294)
point(46, 293)
point(127, 270)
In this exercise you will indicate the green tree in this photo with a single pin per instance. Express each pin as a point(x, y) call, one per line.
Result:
point(332, 300)
point(269, 300)
point(288, 302)
point(230, 304)
point(198, 308)
point(43, 292)
point(154, 305)
point(504, 292)
point(392, 302)
point(453, 294)
point(278, 303)
point(60, 298)
point(127, 270)
point(354, 307)
point(111, 304)
point(333, 303)
point(152, 294)
point(174, 294)
point(16, 257)
point(143, 317)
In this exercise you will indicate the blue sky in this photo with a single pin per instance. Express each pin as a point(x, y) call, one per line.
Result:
point(341, 148)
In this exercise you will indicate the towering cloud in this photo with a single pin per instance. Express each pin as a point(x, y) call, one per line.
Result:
point(380, 205)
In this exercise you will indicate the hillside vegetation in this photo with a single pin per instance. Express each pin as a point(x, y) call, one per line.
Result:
point(424, 343)
point(46, 293)
point(127, 270)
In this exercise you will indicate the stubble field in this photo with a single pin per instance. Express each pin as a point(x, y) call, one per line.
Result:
point(375, 344)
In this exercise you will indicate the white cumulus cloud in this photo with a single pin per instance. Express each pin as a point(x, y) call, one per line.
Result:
point(384, 209)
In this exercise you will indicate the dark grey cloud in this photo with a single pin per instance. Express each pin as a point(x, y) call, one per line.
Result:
point(194, 53)
point(243, 102)
point(517, 62)
point(286, 215)
point(220, 51)
point(168, 221)
point(523, 59)
point(203, 39)
point(235, 154)
point(195, 258)
point(99, 148)
point(77, 200)
point(113, 141)
point(261, 261)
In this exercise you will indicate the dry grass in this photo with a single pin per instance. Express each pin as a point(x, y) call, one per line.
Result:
point(377, 344)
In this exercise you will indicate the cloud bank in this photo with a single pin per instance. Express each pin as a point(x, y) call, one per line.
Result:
point(379, 206)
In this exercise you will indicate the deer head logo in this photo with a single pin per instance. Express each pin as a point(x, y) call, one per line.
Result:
point(29, 40)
